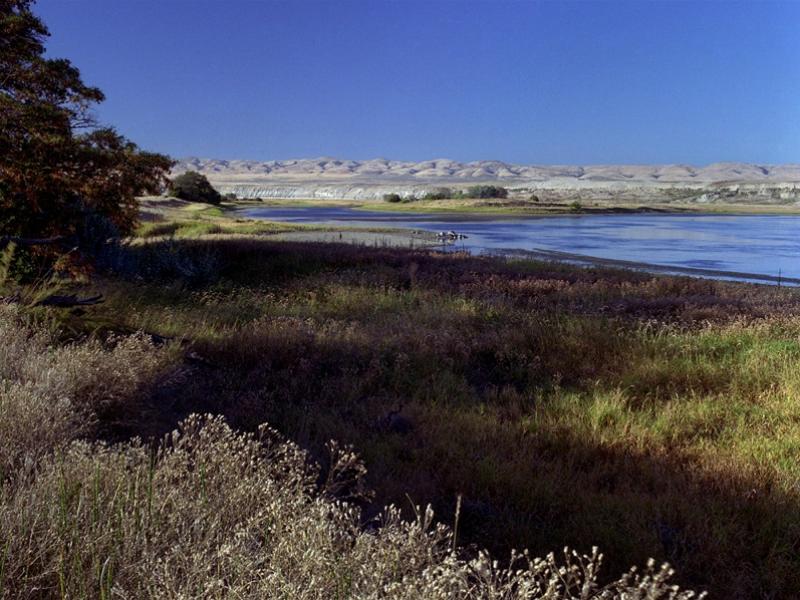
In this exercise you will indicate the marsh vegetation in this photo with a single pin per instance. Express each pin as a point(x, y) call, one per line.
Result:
point(192, 408)
point(650, 416)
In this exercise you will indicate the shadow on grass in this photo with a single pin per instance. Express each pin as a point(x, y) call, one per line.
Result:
point(258, 261)
point(468, 350)
point(731, 531)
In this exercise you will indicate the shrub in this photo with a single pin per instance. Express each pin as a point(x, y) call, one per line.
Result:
point(394, 198)
point(487, 191)
point(442, 193)
point(194, 187)
point(50, 395)
point(575, 206)
point(215, 513)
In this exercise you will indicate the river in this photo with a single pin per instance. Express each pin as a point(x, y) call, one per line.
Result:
point(754, 247)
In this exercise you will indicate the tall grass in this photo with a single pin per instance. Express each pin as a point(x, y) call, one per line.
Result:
point(217, 514)
point(652, 416)
point(212, 513)
point(52, 394)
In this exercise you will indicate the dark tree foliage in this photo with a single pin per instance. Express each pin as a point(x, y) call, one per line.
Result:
point(194, 187)
point(58, 167)
point(442, 193)
point(487, 191)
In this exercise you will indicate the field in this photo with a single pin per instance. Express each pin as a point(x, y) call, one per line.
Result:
point(521, 206)
point(651, 416)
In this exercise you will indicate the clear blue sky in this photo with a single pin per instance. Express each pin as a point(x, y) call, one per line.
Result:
point(530, 82)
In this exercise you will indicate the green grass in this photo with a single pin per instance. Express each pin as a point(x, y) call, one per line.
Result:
point(651, 416)
point(521, 206)
point(168, 217)
point(196, 227)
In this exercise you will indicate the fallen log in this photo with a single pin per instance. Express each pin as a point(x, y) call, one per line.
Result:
point(21, 241)
point(69, 301)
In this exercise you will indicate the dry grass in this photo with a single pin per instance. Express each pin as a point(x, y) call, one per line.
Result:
point(216, 514)
point(212, 513)
point(652, 416)
point(52, 394)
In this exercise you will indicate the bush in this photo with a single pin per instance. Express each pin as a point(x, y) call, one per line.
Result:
point(575, 206)
point(393, 198)
point(194, 187)
point(442, 193)
point(50, 395)
point(214, 513)
point(487, 191)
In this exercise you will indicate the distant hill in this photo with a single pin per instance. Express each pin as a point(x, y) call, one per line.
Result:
point(443, 170)
point(331, 178)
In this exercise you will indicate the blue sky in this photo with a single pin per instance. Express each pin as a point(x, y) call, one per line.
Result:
point(530, 82)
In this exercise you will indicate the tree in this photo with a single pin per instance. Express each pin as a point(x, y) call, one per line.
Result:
point(575, 206)
point(194, 187)
point(441, 193)
point(58, 168)
point(487, 191)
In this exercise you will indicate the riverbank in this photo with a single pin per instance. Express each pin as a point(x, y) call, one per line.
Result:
point(745, 247)
point(593, 261)
point(164, 217)
point(534, 404)
point(519, 207)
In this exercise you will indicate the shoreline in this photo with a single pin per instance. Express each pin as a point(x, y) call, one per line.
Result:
point(512, 208)
point(414, 239)
point(399, 237)
point(656, 269)
point(406, 239)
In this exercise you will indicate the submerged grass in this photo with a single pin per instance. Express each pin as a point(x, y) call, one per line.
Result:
point(651, 416)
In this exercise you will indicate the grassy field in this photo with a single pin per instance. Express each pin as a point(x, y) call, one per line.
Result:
point(517, 206)
point(649, 416)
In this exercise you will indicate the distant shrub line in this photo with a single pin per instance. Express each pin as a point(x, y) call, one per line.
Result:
point(446, 193)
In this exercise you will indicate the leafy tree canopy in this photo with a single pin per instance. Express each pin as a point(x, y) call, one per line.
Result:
point(194, 187)
point(57, 165)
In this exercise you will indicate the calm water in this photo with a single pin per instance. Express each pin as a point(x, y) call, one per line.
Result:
point(759, 245)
